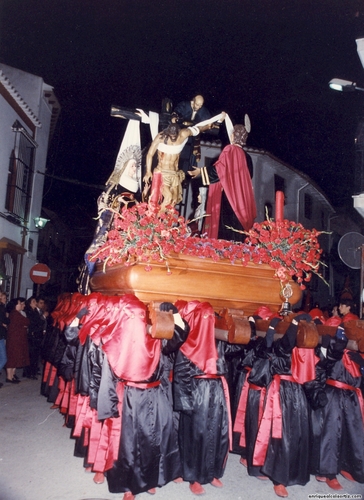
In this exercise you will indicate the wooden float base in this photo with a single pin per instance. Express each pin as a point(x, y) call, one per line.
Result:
point(220, 283)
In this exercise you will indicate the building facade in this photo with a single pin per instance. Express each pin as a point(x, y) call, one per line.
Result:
point(28, 114)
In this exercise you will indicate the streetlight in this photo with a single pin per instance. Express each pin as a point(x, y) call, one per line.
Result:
point(343, 85)
point(40, 222)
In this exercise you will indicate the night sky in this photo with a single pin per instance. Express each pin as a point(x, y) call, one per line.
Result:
point(272, 59)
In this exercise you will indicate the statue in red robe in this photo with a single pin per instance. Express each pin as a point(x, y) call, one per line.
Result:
point(231, 200)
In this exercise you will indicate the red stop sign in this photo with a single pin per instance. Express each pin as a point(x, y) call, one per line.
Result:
point(40, 273)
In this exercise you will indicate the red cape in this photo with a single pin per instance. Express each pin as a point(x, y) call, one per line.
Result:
point(200, 346)
point(132, 353)
point(234, 179)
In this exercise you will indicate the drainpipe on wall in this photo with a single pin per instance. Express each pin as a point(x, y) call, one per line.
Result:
point(19, 266)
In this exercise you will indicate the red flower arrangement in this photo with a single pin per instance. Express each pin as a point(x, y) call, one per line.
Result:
point(287, 247)
point(144, 233)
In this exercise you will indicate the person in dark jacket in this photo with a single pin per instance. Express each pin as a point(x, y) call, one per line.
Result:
point(35, 337)
point(4, 321)
point(188, 113)
point(17, 350)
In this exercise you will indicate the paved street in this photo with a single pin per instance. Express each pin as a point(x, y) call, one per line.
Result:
point(37, 462)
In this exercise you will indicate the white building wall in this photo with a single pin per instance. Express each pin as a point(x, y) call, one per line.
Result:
point(22, 99)
point(42, 140)
point(27, 85)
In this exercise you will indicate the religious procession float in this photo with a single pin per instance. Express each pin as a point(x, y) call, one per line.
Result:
point(143, 249)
